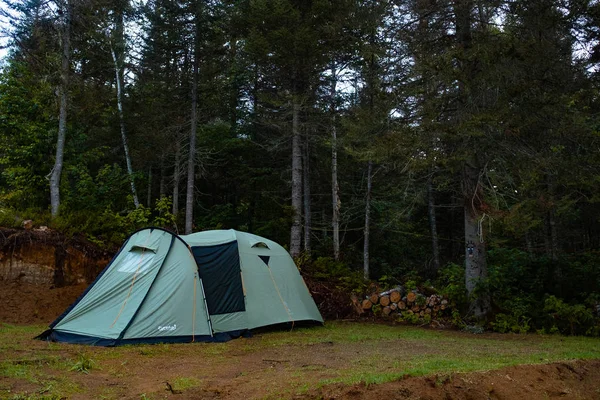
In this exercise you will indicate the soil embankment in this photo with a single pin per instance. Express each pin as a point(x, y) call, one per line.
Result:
point(46, 257)
point(566, 380)
point(43, 271)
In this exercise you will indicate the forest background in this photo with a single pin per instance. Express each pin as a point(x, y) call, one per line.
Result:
point(416, 142)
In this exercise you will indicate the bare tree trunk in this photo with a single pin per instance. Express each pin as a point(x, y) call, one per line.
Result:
point(296, 230)
point(307, 208)
point(554, 247)
point(149, 198)
point(176, 177)
point(529, 244)
point(433, 226)
point(335, 189)
point(324, 224)
point(367, 229)
point(136, 202)
point(554, 252)
point(235, 87)
point(189, 201)
point(161, 187)
point(547, 241)
point(65, 38)
point(475, 253)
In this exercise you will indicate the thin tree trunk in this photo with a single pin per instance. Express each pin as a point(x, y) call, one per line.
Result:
point(149, 198)
point(307, 205)
point(554, 252)
point(554, 247)
point(136, 202)
point(176, 177)
point(161, 187)
point(296, 230)
point(235, 90)
point(529, 244)
point(547, 241)
point(367, 229)
point(335, 189)
point(433, 226)
point(56, 172)
point(189, 201)
point(324, 224)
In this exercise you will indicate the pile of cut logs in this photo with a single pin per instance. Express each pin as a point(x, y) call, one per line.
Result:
point(395, 301)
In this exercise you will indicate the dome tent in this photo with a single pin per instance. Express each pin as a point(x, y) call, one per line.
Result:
point(207, 286)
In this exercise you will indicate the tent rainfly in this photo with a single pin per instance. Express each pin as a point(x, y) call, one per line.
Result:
point(207, 286)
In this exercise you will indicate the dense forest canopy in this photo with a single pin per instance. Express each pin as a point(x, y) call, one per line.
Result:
point(414, 140)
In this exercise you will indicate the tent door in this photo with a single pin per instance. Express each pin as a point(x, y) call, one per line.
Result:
point(219, 269)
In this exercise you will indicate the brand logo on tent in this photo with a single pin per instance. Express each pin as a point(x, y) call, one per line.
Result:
point(170, 328)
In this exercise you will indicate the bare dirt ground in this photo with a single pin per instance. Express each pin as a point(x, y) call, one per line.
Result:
point(567, 380)
point(343, 360)
point(23, 303)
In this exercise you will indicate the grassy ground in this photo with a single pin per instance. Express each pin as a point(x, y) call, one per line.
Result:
point(268, 365)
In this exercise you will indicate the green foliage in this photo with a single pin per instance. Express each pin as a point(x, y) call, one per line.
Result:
point(451, 284)
point(184, 383)
point(410, 284)
point(514, 323)
point(164, 217)
point(571, 319)
point(457, 320)
point(386, 282)
point(25, 128)
point(9, 218)
point(83, 364)
point(376, 309)
point(528, 295)
point(326, 268)
point(409, 317)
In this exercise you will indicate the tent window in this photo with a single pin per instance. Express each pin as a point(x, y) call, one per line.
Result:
point(141, 248)
point(219, 269)
point(136, 260)
point(261, 245)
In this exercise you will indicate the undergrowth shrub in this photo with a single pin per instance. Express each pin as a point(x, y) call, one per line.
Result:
point(106, 228)
point(451, 284)
point(326, 268)
point(511, 323)
point(543, 294)
point(573, 319)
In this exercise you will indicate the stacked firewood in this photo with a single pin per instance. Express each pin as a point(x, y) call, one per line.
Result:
point(397, 301)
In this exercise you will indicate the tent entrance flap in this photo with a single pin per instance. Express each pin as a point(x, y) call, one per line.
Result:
point(219, 269)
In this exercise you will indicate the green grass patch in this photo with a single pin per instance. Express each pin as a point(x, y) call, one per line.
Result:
point(185, 383)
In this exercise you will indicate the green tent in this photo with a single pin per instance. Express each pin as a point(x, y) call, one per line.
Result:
point(207, 286)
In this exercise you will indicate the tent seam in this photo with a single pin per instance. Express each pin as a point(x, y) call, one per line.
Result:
point(132, 281)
